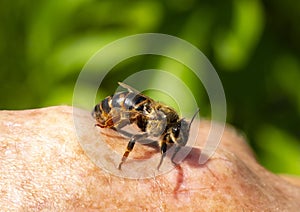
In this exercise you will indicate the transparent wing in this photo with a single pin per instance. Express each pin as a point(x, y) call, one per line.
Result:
point(129, 88)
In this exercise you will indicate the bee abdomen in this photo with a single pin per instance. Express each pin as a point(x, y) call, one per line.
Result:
point(117, 100)
point(105, 111)
point(134, 101)
point(105, 104)
point(124, 100)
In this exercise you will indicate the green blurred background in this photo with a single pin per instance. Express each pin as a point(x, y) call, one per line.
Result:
point(253, 44)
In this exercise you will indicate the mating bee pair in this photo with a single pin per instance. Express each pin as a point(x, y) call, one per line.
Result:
point(152, 118)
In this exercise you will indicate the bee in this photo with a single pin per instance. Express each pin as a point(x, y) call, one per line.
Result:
point(152, 118)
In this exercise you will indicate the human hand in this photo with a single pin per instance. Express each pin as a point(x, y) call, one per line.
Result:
point(42, 166)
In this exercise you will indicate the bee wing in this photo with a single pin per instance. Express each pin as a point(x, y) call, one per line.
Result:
point(129, 88)
point(133, 90)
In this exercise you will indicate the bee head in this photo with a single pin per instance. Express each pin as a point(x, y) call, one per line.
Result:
point(180, 131)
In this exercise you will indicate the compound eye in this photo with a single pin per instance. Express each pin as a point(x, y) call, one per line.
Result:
point(175, 131)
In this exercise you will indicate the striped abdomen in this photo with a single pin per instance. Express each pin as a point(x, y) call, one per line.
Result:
point(109, 111)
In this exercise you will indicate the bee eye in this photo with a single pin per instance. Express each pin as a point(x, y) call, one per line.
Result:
point(175, 131)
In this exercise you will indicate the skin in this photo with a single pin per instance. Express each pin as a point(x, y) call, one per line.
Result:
point(43, 166)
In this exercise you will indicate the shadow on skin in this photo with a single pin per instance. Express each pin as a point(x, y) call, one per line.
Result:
point(187, 155)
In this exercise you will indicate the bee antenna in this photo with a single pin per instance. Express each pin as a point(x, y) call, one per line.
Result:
point(197, 111)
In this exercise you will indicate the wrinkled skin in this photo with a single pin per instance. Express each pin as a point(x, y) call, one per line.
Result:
point(42, 166)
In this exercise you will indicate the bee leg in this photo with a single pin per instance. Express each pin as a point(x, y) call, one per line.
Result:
point(124, 133)
point(118, 127)
point(163, 150)
point(130, 146)
point(98, 125)
point(177, 148)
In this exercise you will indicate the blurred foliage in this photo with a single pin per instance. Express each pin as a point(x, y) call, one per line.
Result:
point(253, 44)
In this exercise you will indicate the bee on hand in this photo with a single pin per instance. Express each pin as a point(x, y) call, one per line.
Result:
point(154, 119)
